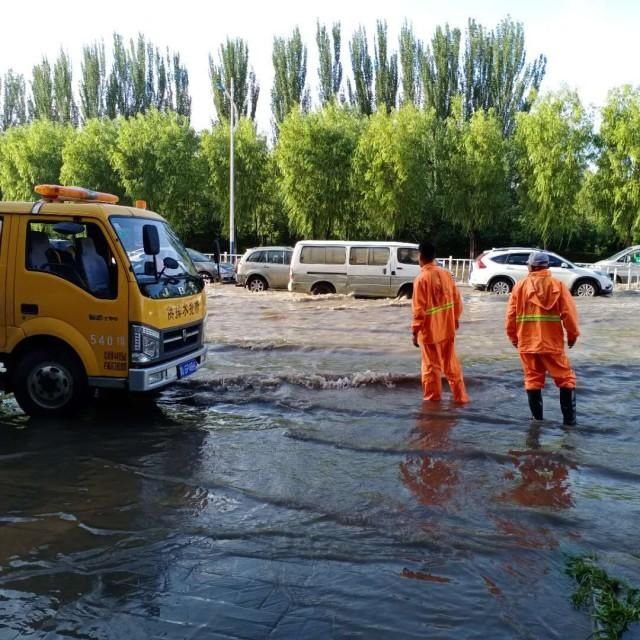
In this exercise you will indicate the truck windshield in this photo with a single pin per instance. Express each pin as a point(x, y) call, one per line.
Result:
point(154, 279)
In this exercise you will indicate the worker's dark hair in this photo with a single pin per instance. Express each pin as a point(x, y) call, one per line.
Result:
point(427, 251)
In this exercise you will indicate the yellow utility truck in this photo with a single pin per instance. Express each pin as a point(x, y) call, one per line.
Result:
point(93, 295)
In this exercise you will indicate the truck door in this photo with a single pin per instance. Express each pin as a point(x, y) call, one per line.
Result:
point(69, 278)
point(3, 284)
point(369, 271)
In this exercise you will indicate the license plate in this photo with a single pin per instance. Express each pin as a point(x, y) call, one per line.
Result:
point(187, 368)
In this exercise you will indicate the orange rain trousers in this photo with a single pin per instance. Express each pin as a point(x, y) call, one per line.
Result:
point(437, 358)
point(535, 365)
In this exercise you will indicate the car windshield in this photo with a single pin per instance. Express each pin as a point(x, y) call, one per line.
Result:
point(154, 279)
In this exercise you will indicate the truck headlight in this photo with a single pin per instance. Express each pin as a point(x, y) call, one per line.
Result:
point(145, 344)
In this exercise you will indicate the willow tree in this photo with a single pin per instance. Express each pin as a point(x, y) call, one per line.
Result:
point(553, 143)
point(314, 155)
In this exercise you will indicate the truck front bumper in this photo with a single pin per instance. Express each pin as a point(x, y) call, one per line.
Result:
point(163, 374)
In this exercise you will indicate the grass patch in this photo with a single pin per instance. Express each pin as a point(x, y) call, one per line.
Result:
point(614, 604)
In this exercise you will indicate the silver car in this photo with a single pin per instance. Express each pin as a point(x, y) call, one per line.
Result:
point(263, 268)
point(210, 270)
point(622, 267)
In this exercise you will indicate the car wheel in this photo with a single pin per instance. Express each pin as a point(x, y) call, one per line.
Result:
point(257, 284)
point(585, 289)
point(49, 382)
point(322, 288)
point(406, 293)
point(501, 286)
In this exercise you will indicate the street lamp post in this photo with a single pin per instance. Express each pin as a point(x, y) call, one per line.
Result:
point(233, 121)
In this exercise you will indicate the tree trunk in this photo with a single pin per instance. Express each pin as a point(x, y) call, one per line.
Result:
point(473, 241)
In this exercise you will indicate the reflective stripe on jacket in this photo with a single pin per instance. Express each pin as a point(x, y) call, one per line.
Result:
point(540, 310)
point(436, 304)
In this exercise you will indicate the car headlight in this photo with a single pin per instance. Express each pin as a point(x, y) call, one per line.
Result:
point(145, 344)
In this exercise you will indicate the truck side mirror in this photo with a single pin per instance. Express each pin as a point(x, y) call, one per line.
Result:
point(150, 240)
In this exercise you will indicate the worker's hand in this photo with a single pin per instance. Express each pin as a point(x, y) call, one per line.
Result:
point(570, 343)
point(457, 325)
point(415, 340)
point(514, 343)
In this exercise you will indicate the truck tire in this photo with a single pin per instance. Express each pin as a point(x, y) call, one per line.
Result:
point(49, 383)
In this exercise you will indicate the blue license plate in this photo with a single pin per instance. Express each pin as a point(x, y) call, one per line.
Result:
point(187, 368)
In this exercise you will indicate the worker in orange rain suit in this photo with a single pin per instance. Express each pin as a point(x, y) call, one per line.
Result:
point(539, 308)
point(437, 306)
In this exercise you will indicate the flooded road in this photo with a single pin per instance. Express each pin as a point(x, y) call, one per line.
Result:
point(299, 488)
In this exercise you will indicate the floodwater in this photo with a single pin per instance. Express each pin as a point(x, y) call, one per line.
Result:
point(299, 488)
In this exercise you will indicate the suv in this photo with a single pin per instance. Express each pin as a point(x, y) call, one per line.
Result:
point(498, 270)
point(262, 268)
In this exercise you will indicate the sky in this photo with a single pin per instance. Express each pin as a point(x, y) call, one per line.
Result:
point(591, 45)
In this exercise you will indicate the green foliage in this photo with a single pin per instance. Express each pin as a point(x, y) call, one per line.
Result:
point(93, 82)
point(440, 71)
point(552, 144)
point(329, 64)
point(394, 171)
point(475, 175)
point(29, 155)
point(386, 70)
point(410, 61)
point(615, 193)
point(614, 605)
point(157, 159)
point(315, 157)
point(496, 74)
point(255, 210)
point(64, 108)
point(233, 69)
point(361, 94)
point(290, 75)
point(87, 157)
point(41, 101)
point(14, 108)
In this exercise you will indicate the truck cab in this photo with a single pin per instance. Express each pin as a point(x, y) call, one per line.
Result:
point(93, 295)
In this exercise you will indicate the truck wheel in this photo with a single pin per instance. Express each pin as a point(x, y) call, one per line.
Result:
point(49, 383)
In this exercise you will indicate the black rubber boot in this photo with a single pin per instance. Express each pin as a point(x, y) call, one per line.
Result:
point(568, 405)
point(535, 403)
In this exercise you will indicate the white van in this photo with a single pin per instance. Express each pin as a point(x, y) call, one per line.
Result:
point(368, 269)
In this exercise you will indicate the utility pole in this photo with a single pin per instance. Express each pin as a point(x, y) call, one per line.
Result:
point(232, 230)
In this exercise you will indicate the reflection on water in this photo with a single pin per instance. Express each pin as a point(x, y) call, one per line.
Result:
point(300, 488)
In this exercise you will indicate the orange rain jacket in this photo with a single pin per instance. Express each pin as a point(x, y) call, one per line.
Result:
point(539, 307)
point(436, 304)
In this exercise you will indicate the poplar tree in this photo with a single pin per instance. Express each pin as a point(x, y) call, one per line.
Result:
point(361, 94)
point(233, 65)
point(64, 104)
point(181, 96)
point(386, 70)
point(14, 107)
point(92, 82)
point(440, 70)
point(411, 52)
point(41, 102)
point(290, 75)
point(119, 90)
point(329, 63)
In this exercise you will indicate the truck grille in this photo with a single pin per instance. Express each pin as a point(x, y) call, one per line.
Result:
point(175, 341)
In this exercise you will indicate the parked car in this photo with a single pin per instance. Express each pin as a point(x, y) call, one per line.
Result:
point(208, 269)
point(498, 270)
point(623, 265)
point(263, 268)
point(366, 269)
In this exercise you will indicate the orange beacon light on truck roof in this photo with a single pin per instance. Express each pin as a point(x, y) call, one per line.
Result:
point(57, 192)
